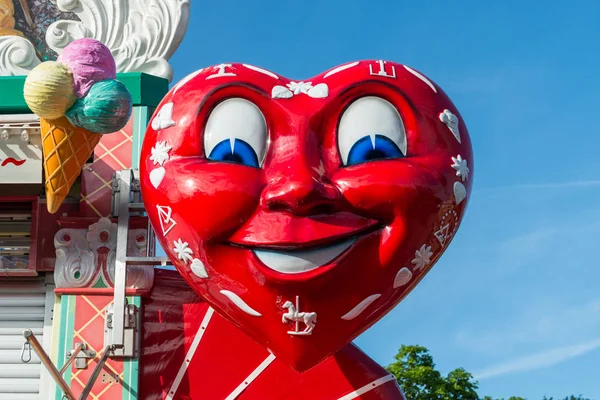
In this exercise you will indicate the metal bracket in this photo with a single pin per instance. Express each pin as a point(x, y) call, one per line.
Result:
point(81, 354)
point(130, 331)
point(134, 195)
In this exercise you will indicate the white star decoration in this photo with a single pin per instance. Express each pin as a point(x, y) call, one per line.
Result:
point(422, 257)
point(183, 251)
point(460, 165)
point(160, 153)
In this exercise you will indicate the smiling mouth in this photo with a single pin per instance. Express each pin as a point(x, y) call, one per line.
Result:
point(288, 246)
point(299, 261)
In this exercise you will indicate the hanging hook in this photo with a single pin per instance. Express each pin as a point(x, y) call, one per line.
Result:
point(26, 348)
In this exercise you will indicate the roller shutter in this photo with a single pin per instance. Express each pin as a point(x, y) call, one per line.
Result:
point(22, 306)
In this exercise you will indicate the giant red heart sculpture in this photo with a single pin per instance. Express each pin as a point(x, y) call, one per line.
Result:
point(305, 211)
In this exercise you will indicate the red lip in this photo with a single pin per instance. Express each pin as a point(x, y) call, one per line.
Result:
point(287, 231)
point(14, 161)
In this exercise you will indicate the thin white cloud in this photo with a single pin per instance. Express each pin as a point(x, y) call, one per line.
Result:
point(540, 360)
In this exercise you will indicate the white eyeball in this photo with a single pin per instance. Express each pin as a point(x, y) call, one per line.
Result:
point(371, 129)
point(236, 132)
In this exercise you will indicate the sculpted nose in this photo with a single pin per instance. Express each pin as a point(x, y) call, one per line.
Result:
point(301, 193)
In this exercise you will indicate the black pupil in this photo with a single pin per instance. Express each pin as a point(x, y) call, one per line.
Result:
point(232, 157)
point(375, 154)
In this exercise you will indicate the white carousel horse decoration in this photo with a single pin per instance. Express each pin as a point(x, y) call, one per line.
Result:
point(308, 318)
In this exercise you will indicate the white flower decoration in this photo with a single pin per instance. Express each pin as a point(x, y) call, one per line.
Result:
point(160, 153)
point(183, 251)
point(460, 165)
point(422, 257)
point(299, 87)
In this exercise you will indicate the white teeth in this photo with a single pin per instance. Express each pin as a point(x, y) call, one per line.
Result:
point(296, 262)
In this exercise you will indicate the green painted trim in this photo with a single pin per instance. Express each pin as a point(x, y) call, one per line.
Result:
point(146, 90)
point(131, 366)
point(141, 115)
point(100, 284)
point(67, 319)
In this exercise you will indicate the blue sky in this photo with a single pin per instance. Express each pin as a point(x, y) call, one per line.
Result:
point(515, 299)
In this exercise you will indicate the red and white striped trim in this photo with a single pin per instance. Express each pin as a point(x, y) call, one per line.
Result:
point(251, 377)
point(368, 387)
point(190, 353)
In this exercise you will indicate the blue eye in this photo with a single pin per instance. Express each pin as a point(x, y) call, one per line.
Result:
point(371, 129)
point(376, 147)
point(235, 151)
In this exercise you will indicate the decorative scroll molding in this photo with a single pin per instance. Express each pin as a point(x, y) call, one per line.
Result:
point(85, 255)
point(142, 34)
point(17, 56)
point(75, 262)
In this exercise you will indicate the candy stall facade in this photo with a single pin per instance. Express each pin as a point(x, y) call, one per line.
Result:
point(290, 237)
point(57, 263)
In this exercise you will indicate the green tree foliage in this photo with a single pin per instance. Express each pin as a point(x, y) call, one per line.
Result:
point(415, 371)
point(567, 398)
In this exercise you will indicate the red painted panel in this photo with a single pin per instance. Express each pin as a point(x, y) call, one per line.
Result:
point(225, 357)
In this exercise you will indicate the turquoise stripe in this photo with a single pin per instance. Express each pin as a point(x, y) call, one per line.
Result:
point(67, 331)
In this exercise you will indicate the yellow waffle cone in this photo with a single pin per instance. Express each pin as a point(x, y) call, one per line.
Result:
point(66, 149)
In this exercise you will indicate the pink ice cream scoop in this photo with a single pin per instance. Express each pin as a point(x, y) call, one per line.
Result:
point(90, 61)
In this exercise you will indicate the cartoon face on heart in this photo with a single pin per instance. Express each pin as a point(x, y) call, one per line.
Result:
point(305, 211)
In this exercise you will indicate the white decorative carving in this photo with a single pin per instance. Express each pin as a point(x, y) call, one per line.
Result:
point(460, 192)
point(294, 315)
point(281, 92)
point(261, 70)
point(422, 257)
point(360, 307)
point(402, 277)
point(166, 221)
point(198, 268)
point(447, 227)
point(160, 153)
point(186, 79)
point(460, 165)
point(164, 118)
point(141, 34)
point(183, 251)
point(319, 91)
point(421, 77)
point(102, 234)
point(241, 304)
point(221, 71)
point(295, 88)
point(340, 69)
point(17, 56)
point(451, 122)
point(77, 260)
point(382, 71)
point(157, 175)
point(299, 87)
